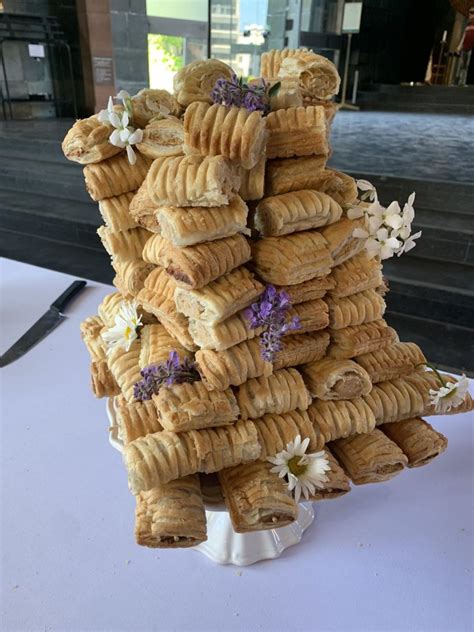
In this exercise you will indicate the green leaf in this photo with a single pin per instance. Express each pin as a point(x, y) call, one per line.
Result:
point(274, 89)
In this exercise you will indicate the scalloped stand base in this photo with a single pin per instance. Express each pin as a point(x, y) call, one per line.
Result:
point(225, 546)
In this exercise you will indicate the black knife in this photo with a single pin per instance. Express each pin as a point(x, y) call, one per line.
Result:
point(43, 326)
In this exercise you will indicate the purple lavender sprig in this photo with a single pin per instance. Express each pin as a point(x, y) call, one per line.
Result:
point(234, 91)
point(170, 372)
point(271, 312)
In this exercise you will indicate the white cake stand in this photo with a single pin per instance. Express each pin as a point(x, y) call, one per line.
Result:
point(223, 544)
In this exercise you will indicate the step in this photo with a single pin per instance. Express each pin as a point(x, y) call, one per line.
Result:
point(444, 245)
point(429, 108)
point(448, 346)
point(56, 255)
point(452, 278)
point(462, 223)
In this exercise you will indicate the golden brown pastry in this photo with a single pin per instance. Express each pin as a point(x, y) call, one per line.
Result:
point(424, 381)
point(343, 418)
point(193, 225)
point(341, 242)
point(336, 379)
point(225, 334)
point(115, 176)
point(276, 431)
point(195, 81)
point(125, 368)
point(109, 307)
point(165, 456)
point(363, 307)
point(417, 439)
point(257, 498)
point(221, 298)
point(157, 344)
point(357, 274)
point(400, 358)
point(296, 211)
point(115, 212)
point(278, 393)
point(288, 95)
point(195, 266)
point(369, 458)
point(127, 244)
point(301, 349)
point(292, 259)
point(317, 76)
point(232, 367)
point(136, 419)
point(339, 186)
point(131, 274)
point(191, 406)
point(150, 103)
point(337, 484)
point(91, 328)
point(103, 383)
point(142, 208)
point(297, 131)
point(312, 316)
point(252, 181)
point(192, 181)
point(171, 515)
point(215, 130)
point(160, 283)
point(308, 290)
point(283, 175)
point(359, 339)
point(87, 141)
point(162, 138)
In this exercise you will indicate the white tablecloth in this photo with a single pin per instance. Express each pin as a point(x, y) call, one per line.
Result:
point(393, 556)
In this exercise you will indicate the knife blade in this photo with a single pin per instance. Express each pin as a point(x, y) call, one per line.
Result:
point(43, 326)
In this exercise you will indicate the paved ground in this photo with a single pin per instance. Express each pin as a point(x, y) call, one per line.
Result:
point(406, 145)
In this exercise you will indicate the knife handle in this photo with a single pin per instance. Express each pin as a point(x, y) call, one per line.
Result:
point(61, 302)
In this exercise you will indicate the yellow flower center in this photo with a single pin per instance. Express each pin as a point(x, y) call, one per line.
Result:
point(295, 467)
point(127, 332)
point(450, 394)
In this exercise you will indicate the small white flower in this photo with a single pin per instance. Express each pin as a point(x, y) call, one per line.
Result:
point(305, 472)
point(450, 395)
point(382, 245)
point(124, 332)
point(409, 243)
point(127, 137)
point(368, 189)
point(126, 100)
point(390, 216)
point(356, 212)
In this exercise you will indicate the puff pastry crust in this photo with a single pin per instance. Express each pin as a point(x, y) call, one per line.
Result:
point(156, 345)
point(297, 131)
point(337, 419)
point(340, 186)
point(337, 484)
point(417, 439)
point(215, 130)
point(278, 393)
point(257, 498)
point(131, 274)
point(164, 456)
point(127, 244)
point(192, 406)
point(276, 431)
point(124, 366)
point(357, 274)
point(91, 328)
point(162, 138)
point(301, 349)
point(195, 81)
point(221, 298)
point(283, 175)
point(312, 315)
point(363, 307)
point(103, 383)
point(295, 211)
point(400, 358)
point(192, 181)
point(369, 458)
point(224, 335)
point(142, 208)
point(292, 259)
point(252, 181)
point(308, 290)
point(115, 212)
point(115, 176)
point(87, 142)
point(359, 339)
point(336, 379)
point(171, 515)
point(341, 242)
point(232, 367)
point(136, 419)
point(149, 104)
point(193, 225)
point(195, 266)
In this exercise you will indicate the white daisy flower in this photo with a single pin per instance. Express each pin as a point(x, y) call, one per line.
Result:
point(305, 472)
point(124, 332)
point(450, 395)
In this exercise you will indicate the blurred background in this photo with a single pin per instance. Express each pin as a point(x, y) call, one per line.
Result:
point(406, 123)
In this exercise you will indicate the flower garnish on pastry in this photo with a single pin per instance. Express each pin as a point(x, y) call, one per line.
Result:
point(387, 230)
point(124, 331)
point(170, 372)
point(449, 394)
point(124, 135)
point(305, 472)
point(271, 312)
point(253, 96)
